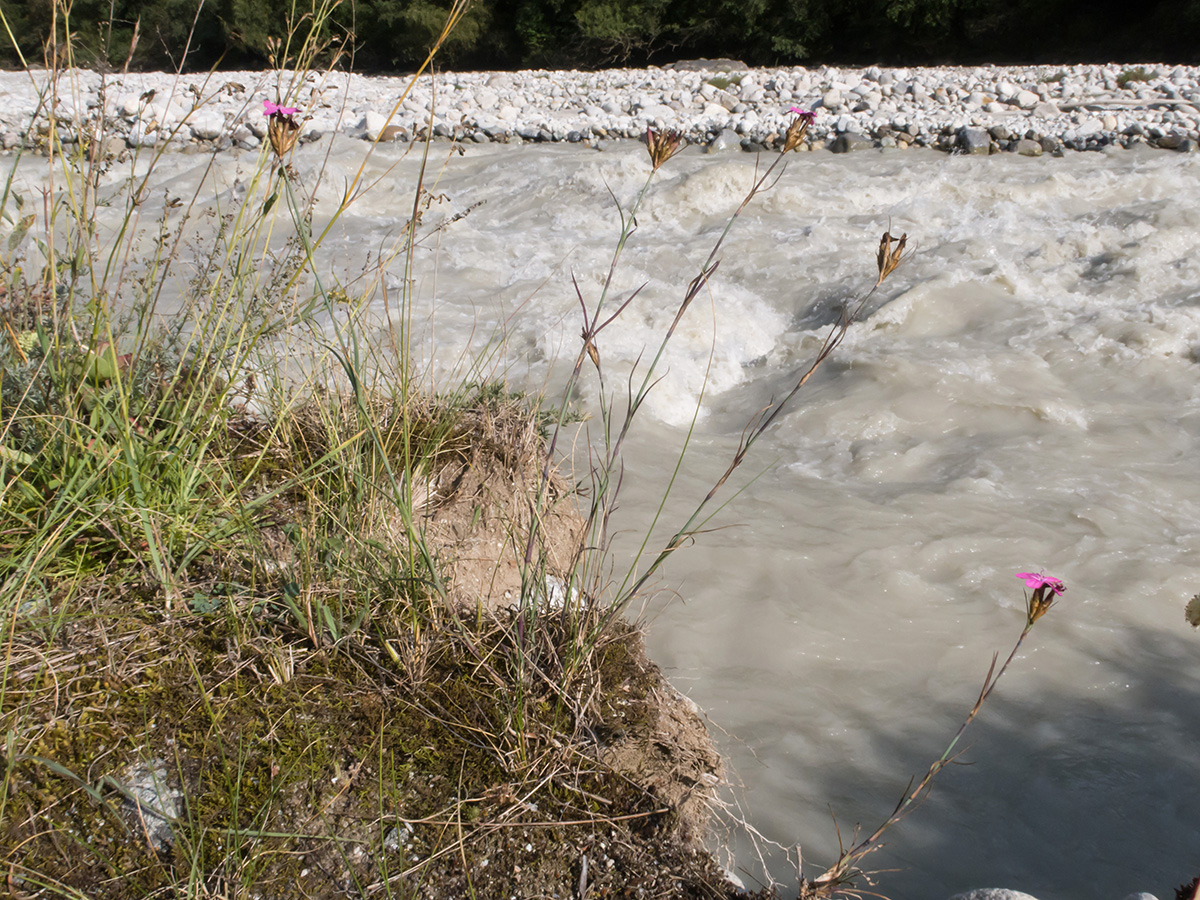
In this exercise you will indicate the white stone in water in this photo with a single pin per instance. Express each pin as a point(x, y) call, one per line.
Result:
point(374, 122)
point(993, 894)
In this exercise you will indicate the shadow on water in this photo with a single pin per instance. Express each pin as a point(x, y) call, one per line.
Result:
point(1062, 794)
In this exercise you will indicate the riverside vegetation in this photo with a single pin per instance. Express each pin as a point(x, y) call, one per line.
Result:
point(251, 645)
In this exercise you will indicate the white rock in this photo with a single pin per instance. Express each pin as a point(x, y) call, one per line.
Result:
point(206, 125)
point(374, 122)
point(658, 111)
point(141, 136)
point(1026, 99)
point(992, 894)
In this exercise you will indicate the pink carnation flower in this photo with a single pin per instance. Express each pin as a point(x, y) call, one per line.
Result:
point(274, 109)
point(1035, 580)
point(809, 115)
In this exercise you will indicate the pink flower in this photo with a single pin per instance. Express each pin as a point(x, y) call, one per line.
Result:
point(274, 109)
point(808, 115)
point(1036, 580)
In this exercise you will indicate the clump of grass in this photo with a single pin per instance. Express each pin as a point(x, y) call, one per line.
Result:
point(1134, 75)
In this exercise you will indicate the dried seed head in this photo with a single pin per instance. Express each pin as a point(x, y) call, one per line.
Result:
point(283, 132)
point(590, 346)
point(799, 127)
point(662, 145)
point(888, 257)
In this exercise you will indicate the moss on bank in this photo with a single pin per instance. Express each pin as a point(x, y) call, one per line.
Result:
point(316, 772)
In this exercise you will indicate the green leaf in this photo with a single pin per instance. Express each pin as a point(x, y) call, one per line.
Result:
point(205, 604)
point(270, 202)
point(10, 455)
point(19, 231)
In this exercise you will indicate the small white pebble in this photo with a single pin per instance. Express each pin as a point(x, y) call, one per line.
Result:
point(483, 863)
point(529, 848)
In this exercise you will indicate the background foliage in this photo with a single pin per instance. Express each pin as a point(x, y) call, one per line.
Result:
point(391, 35)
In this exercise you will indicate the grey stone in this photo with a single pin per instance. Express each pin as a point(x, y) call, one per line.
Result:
point(1140, 895)
point(1026, 147)
point(1045, 110)
point(1171, 141)
point(708, 65)
point(973, 140)
point(728, 139)
point(851, 141)
point(152, 803)
point(1051, 144)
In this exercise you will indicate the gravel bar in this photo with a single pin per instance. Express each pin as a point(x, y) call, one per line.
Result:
point(723, 104)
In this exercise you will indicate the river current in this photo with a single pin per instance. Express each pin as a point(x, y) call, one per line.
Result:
point(1022, 394)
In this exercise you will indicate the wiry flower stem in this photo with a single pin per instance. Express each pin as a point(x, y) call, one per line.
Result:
point(841, 877)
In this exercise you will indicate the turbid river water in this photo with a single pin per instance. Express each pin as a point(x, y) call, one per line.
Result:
point(1021, 395)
